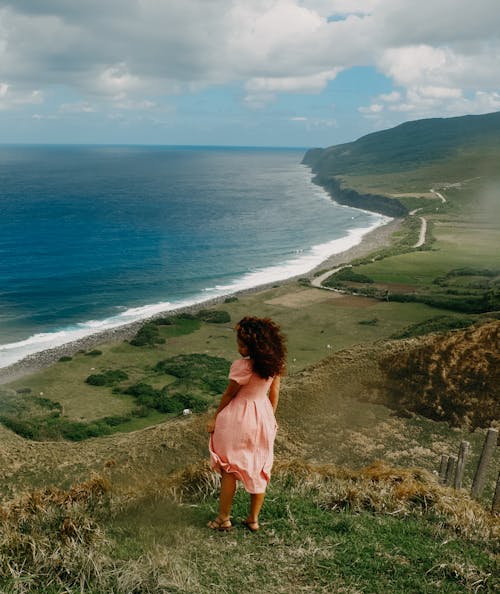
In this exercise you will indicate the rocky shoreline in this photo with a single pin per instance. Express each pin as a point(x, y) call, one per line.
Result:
point(373, 240)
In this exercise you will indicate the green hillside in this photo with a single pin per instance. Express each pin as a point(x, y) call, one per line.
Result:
point(371, 172)
point(408, 145)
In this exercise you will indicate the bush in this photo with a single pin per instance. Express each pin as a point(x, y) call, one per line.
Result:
point(116, 420)
point(200, 370)
point(437, 324)
point(191, 402)
point(214, 316)
point(186, 315)
point(231, 299)
point(148, 397)
point(108, 378)
point(148, 335)
point(65, 358)
point(55, 428)
point(370, 322)
point(347, 275)
point(23, 391)
point(144, 394)
point(96, 379)
point(93, 353)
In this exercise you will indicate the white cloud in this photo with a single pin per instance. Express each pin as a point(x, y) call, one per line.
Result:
point(268, 87)
point(80, 107)
point(12, 98)
point(441, 56)
point(371, 109)
point(390, 97)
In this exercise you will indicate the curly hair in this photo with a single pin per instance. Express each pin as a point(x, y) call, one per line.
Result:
point(265, 343)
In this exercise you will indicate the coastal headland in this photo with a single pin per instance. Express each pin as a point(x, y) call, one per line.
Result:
point(105, 481)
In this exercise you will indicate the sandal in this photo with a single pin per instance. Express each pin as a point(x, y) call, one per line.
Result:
point(220, 524)
point(252, 526)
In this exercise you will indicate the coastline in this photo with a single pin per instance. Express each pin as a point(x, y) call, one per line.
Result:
point(375, 239)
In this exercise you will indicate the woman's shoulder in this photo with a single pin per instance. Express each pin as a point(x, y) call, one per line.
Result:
point(241, 371)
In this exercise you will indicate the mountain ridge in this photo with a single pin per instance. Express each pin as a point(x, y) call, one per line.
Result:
point(407, 147)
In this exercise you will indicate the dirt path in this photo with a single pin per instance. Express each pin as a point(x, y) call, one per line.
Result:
point(423, 232)
point(440, 196)
point(318, 281)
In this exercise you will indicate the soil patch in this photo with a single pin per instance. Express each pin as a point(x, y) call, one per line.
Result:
point(303, 298)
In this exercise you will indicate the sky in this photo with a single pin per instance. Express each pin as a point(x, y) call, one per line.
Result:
point(298, 73)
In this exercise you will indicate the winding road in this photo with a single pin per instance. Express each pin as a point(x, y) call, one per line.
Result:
point(318, 281)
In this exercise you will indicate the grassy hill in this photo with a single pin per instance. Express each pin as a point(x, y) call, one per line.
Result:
point(373, 171)
point(409, 145)
point(105, 486)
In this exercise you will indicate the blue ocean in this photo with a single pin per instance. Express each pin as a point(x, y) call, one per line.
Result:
point(92, 237)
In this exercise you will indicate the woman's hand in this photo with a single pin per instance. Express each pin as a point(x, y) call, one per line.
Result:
point(211, 425)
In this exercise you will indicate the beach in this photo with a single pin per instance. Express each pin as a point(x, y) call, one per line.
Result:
point(375, 239)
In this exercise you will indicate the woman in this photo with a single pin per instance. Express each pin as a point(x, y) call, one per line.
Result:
point(244, 426)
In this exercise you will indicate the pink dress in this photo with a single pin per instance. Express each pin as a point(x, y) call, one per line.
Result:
point(243, 440)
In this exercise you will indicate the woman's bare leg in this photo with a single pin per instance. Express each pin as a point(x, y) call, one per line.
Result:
point(227, 490)
point(256, 502)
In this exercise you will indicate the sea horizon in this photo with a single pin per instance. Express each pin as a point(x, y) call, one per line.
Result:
point(175, 266)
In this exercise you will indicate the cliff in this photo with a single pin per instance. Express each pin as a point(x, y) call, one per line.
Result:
point(374, 202)
point(406, 147)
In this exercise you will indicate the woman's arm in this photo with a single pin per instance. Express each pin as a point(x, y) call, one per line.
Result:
point(274, 392)
point(230, 392)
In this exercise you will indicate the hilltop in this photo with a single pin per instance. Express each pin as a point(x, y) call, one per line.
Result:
point(393, 360)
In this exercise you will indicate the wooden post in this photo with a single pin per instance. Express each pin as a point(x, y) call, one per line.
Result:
point(495, 508)
point(462, 456)
point(442, 468)
point(480, 477)
point(450, 470)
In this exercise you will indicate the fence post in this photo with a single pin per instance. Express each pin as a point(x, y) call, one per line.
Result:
point(480, 477)
point(495, 508)
point(462, 455)
point(442, 468)
point(450, 469)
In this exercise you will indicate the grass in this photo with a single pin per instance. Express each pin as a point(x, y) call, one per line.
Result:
point(324, 529)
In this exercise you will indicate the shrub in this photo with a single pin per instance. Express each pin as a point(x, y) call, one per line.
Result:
point(144, 394)
point(370, 322)
point(186, 315)
point(96, 379)
point(148, 397)
point(108, 378)
point(148, 335)
point(55, 428)
point(65, 358)
point(347, 275)
point(437, 324)
point(214, 316)
point(231, 299)
point(189, 401)
point(93, 353)
point(116, 420)
point(23, 391)
point(199, 370)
